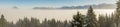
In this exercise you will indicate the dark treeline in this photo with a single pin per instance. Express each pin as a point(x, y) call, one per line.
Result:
point(79, 20)
point(33, 22)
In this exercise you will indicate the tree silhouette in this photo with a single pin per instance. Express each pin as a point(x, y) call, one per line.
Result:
point(35, 22)
point(101, 21)
point(3, 22)
point(77, 20)
point(117, 14)
point(91, 18)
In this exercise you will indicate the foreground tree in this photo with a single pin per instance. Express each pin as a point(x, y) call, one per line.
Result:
point(91, 18)
point(117, 14)
point(77, 20)
point(3, 22)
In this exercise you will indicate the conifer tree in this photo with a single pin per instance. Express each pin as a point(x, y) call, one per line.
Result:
point(77, 20)
point(117, 14)
point(65, 23)
point(91, 18)
point(45, 23)
point(19, 23)
point(52, 23)
point(3, 22)
point(35, 22)
point(101, 21)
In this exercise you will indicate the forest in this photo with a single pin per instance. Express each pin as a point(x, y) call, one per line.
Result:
point(79, 20)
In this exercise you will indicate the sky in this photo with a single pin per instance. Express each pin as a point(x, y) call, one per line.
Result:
point(50, 3)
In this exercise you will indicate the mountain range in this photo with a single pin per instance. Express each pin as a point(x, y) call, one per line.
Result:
point(99, 6)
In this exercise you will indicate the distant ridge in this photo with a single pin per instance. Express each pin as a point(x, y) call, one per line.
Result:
point(99, 6)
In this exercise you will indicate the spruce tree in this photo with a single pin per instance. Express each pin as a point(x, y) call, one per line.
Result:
point(91, 18)
point(77, 20)
point(3, 22)
point(44, 23)
point(117, 14)
point(65, 23)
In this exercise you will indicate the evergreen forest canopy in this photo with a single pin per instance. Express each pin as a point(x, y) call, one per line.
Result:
point(79, 20)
